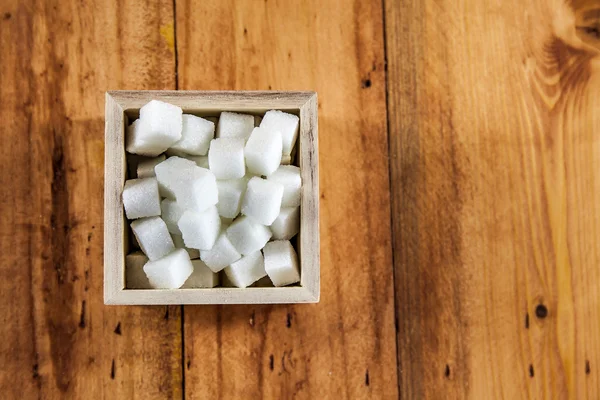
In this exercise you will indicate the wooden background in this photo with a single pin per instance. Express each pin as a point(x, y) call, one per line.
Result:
point(460, 199)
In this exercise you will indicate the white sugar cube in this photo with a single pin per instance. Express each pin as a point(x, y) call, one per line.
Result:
point(226, 158)
point(196, 134)
point(287, 223)
point(160, 123)
point(246, 270)
point(286, 124)
point(153, 236)
point(247, 235)
point(201, 161)
point(135, 144)
point(171, 211)
point(202, 277)
point(262, 200)
point(135, 277)
point(180, 244)
point(145, 169)
point(230, 197)
point(221, 255)
point(170, 271)
point(200, 230)
point(289, 177)
point(141, 198)
point(171, 173)
point(199, 191)
point(235, 125)
point(281, 263)
point(263, 151)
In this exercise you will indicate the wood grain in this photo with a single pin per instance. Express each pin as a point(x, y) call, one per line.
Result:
point(343, 347)
point(58, 339)
point(495, 154)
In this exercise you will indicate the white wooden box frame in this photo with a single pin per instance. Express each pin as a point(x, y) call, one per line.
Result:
point(120, 104)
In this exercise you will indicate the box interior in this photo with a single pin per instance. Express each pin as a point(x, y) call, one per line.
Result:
point(132, 160)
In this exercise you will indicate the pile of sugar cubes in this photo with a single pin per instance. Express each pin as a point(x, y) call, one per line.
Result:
point(212, 197)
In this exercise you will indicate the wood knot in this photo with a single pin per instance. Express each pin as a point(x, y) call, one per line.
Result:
point(541, 311)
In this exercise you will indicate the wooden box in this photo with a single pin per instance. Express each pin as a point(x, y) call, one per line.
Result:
point(122, 107)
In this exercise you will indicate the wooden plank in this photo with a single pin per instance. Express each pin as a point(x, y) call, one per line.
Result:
point(495, 152)
point(59, 340)
point(343, 347)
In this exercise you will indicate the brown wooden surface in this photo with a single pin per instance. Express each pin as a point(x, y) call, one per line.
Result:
point(485, 216)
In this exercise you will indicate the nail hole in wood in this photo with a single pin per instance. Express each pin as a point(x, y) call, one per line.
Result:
point(541, 311)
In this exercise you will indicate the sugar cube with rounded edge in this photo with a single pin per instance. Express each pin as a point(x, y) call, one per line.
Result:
point(170, 271)
point(180, 244)
point(199, 192)
point(289, 177)
point(171, 211)
point(141, 198)
point(235, 125)
point(202, 277)
point(246, 270)
point(262, 200)
point(281, 263)
point(134, 143)
point(263, 151)
point(161, 123)
point(200, 230)
point(145, 169)
point(247, 235)
point(226, 158)
point(230, 197)
point(135, 277)
point(287, 124)
point(287, 223)
point(171, 173)
point(153, 237)
point(196, 134)
point(221, 255)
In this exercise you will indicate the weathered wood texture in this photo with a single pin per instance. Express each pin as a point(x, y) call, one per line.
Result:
point(59, 341)
point(343, 347)
point(495, 160)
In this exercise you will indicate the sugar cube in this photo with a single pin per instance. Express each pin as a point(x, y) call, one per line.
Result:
point(180, 244)
point(289, 177)
point(145, 169)
point(202, 277)
point(196, 134)
point(286, 124)
point(160, 123)
point(247, 235)
point(235, 125)
point(171, 211)
point(170, 271)
point(221, 255)
point(200, 229)
point(246, 270)
point(230, 197)
point(135, 278)
point(199, 191)
point(153, 236)
point(281, 263)
point(171, 173)
point(141, 198)
point(226, 158)
point(135, 143)
point(262, 200)
point(263, 151)
point(287, 223)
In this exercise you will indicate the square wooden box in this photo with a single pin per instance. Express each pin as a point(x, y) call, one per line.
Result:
point(122, 107)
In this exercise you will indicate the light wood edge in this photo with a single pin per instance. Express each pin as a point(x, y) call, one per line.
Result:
point(114, 176)
point(214, 100)
point(284, 295)
point(117, 102)
point(309, 218)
